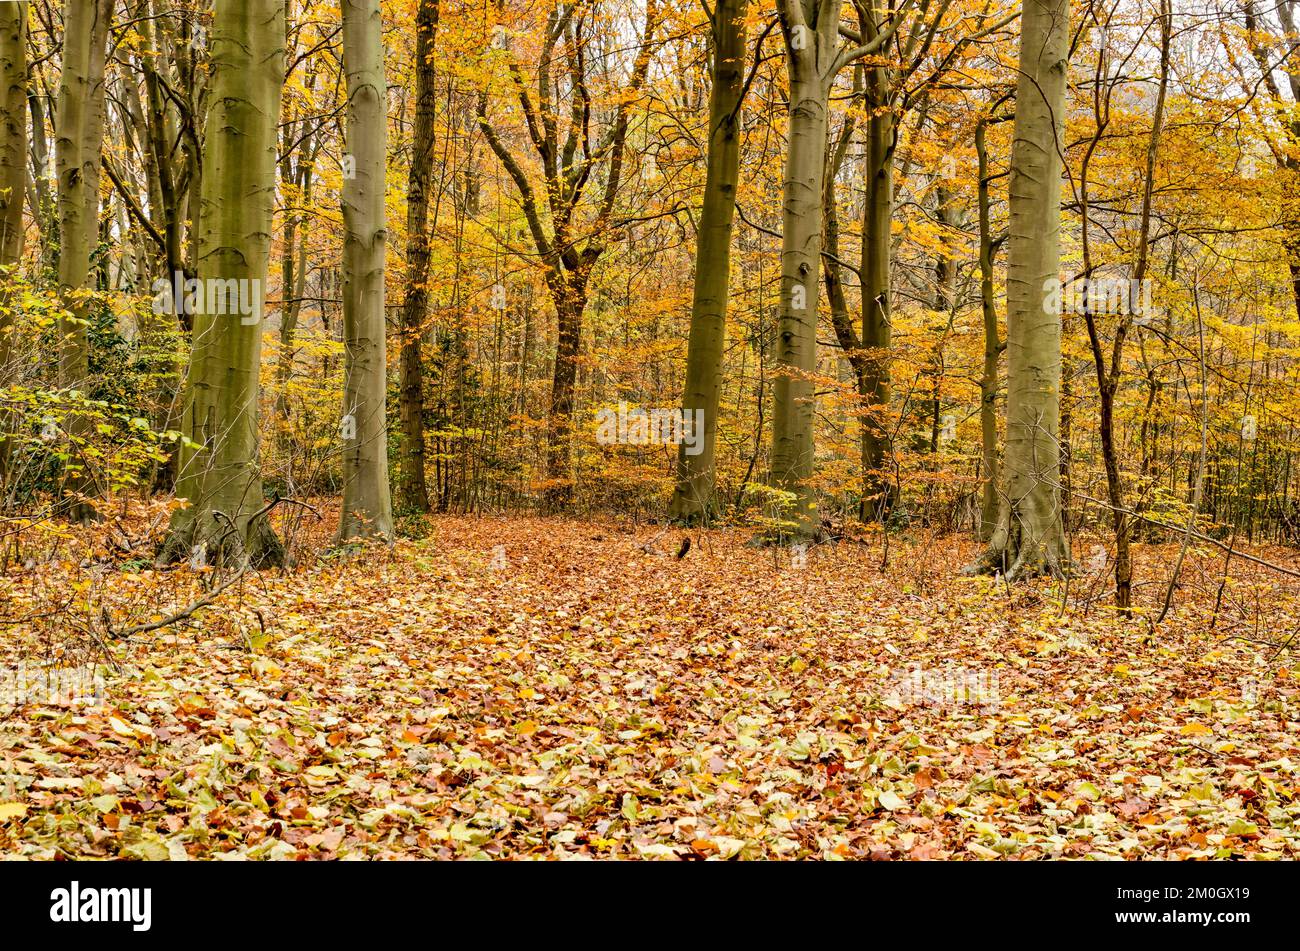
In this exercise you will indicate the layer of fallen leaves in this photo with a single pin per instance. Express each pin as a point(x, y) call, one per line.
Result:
point(549, 689)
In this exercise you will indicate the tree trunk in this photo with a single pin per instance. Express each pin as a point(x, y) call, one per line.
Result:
point(168, 196)
point(693, 500)
point(567, 171)
point(569, 291)
point(13, 139)
point(412, 489)
point(878, 492)
point(810, 51)
point(1029, 538)
point(367, 509)
point(44, 203)
point(846, 332)
point(1287, 115)
point(161, 128)
point(1108, 380)
point(13, 183)
point(77, 144)
point(945, 271)
point(297, 180)
point(225, 522)
point(992, 348)
point(76, 147)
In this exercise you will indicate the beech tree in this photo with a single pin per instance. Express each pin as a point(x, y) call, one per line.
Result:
point(814, 57)
point(13, 184)
point(13, 138)
point(226, 519)
point(367, 508)
point(993, 343)
point(568, 181)
point(1028, 537)
point(412, 490)
point(693, 499)
point(570, 157)
point(13, 156)
point(1262, 35)
point(78, 137)
point(884, 90)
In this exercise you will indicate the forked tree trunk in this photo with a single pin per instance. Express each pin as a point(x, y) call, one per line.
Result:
point(1028, 538)
point(693, 499)
point(813, 58)
point(367, 508)
point(225, 521)
point(412, 488)
point(567, 173)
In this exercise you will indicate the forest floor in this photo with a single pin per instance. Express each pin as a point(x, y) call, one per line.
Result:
point(554, 689)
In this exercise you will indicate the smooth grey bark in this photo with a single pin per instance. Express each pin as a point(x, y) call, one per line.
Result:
point(76, 147)
point(367, 510)
point(1029, 538)
point(811, 29)
point(77, 143)
point(814, 57)
point(225, 522)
